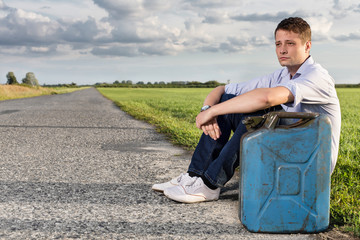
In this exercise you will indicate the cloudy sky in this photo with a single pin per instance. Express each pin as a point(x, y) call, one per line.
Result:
point(90, 41)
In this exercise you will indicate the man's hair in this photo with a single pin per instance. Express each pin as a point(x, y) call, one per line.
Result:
point(296, 25)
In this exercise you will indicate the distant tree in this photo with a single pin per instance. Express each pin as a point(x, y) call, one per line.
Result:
point(213, 82)
point(129, 82)
point(30, 79)
point(140, 83)
point(11, 79)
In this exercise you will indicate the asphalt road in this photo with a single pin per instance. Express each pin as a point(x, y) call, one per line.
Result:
point(74, 166)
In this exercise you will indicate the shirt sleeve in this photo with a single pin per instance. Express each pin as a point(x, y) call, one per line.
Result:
point(266, 81)
point(313, 88)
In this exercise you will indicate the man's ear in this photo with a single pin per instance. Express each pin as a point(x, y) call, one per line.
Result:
point(308, 46)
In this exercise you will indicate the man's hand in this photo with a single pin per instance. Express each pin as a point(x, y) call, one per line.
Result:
point(208, 124)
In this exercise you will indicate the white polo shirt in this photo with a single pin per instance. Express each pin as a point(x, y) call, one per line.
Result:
point(313, 89)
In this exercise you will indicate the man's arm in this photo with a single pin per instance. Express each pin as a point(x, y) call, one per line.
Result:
point(251, 101)
point(211, 127)
point(214, 96)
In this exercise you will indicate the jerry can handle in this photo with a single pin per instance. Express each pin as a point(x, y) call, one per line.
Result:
point(271, 119)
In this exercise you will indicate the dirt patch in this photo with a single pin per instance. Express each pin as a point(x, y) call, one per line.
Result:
point(336, 235)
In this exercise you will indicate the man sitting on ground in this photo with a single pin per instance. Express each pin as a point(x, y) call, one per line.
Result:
point(301, 86)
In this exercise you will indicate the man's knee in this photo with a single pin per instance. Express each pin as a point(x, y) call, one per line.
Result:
point(226, 97)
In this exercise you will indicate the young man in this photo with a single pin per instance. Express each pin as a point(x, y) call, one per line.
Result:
point(301, 86)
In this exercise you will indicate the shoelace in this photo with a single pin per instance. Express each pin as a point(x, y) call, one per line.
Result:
point(181, 176)
point(193, 183)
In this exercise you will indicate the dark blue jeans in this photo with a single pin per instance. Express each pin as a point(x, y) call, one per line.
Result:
point(216, 160)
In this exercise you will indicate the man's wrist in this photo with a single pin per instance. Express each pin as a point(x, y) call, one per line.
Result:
point(205, 107)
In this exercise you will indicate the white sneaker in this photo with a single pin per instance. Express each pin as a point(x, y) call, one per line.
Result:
point(192, 192)
point(183, 178)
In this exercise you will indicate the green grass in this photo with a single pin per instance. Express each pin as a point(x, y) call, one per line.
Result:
point(345, 193)
point(173, 111)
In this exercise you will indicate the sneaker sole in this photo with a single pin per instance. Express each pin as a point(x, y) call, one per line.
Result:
point(189, 201)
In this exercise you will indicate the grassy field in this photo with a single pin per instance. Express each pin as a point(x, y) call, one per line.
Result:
point(17, 91)
point(345, 193)
point(173, 111)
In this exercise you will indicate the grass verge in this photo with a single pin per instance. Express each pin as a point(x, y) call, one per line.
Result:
point(345, 192)
point(20, 91)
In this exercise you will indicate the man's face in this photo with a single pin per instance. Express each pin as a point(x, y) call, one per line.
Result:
point(290, 50)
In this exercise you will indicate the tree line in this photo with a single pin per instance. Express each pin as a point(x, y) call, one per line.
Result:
point(31, 80)
point(173, 84)
point(347, 85)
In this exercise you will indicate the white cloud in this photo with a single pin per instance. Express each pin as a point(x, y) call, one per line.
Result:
point(320, 28)
point(320, 25)
point(142, 27)
point(2, 4)
point(24, 28)
point(342, 9)
point(348, 37)
point(22, 17)
point(40, 49)
point(116, 29)
point(122, 9)
point(157, 5)
point(79, 31)
point(201, 4)
point(215, 17)
point(10, 50)
point(126, 51)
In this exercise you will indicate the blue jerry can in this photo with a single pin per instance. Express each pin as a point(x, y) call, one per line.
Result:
point(285, 174)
